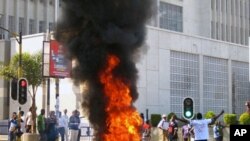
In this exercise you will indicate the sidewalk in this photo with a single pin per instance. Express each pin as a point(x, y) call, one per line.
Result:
point(5, 138)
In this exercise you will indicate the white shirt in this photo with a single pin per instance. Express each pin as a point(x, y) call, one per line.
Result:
point(163, 124)
point(201, 128)
point(62, 122)
point(66, 120)
point(29, 118)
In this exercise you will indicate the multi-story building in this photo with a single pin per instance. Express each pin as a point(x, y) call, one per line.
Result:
point(28, 17)
point(196, 48)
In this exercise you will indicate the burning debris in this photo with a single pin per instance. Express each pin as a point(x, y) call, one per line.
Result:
point(103, 37)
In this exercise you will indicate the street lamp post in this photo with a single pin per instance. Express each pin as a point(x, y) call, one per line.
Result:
point(19, 41)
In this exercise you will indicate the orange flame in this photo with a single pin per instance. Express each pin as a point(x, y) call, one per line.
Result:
point(123, 121)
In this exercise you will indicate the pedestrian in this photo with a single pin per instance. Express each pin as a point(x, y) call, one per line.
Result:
point(13, 127)
point(79, 127)
point(41, 125)
point(66, 120)
point(29, 121)
point(61, 126)
point(20, 125)
point(192, 135)
point(51, 123)
point(74, 122)
point(173, 129)
point(185, 132)
point(218, 131)
point(163, 125)
point(201, 126)
point(146, 135)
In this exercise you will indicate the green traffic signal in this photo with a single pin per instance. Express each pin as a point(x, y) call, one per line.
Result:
point(188, 108)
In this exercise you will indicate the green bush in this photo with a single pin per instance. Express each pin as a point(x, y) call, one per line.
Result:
point(155, 119)
point(245, 119)
point(230, 119)
point(209, 114)
point(170, 115)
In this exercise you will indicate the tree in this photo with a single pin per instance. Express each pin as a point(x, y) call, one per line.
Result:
point(31, 70)
point(209, 114)
point(245, 119)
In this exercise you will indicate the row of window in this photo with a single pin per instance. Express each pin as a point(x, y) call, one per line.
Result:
point(215, 81)
point(22, 26)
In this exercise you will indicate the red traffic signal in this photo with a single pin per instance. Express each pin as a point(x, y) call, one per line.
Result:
point(22, 90)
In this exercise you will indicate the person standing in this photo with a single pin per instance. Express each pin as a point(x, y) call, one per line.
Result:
point(41, 125)
point(66, 120)
point(79, 128)
point(146, 135)
point(29, 121)
point(61, 126)
point(74, 122)
point(13, 127)
point(185, 132)
point(218, 131)
point(51, 123)
point(163, 125)
point(201, 126)
point(173, 129)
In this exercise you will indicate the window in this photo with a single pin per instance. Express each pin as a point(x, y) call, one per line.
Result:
point(215, 84)
point(22, 27)
point(11, 24)
point(31, 26)
point(171, 17)
point(41, 26)
point(2, 32)
point(51, 26)
point(240, 85)
point(184, 79)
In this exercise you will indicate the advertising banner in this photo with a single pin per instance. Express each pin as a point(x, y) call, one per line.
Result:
point(59, 65)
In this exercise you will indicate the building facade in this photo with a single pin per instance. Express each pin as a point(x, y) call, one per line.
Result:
point(197, 49)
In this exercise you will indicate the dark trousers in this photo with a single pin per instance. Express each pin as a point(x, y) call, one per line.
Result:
point(79, 135)
point(220, 138)
point(200, 140)
point(43, 136)
point(12, 136)
point(61, 131)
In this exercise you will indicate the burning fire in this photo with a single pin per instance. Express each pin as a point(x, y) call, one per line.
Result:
point(123, 121)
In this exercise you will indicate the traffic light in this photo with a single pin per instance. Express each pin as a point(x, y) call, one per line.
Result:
point(13, 90)
point(188, 108)
point(22, 90)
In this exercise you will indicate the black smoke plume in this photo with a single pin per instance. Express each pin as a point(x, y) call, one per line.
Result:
point(92, 29)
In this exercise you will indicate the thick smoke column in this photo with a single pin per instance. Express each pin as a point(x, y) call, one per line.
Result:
point(91, 30)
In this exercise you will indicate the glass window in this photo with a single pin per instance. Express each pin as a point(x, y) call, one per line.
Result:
point(184, 79)
point(2, 32)
point(31, 26)
point(171, 17)
point(215, 84)
point(41, 26)
point(22, 27)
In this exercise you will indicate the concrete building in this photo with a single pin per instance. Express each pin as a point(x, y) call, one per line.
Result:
point(196, 48)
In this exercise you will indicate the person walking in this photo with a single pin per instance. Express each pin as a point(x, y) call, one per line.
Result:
point(79, 128)
point(201, 126)
point(29, 121)
point(41, 125)
point(74, 122)
point(13, 127)
point(66, 120)
point(218, 131)
point(163, 125)
point(61, 126)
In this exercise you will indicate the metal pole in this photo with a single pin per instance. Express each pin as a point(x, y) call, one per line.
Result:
point(57, 98)
point(20, 55)
point(48, 96)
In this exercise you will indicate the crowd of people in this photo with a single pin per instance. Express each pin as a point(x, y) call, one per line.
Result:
point(192, 130)
point(50, 128)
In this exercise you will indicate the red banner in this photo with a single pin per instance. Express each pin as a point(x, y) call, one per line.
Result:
point(59, 65)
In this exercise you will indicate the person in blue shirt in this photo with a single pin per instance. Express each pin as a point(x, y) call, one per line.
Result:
point(74, 122)
point(13, 127)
